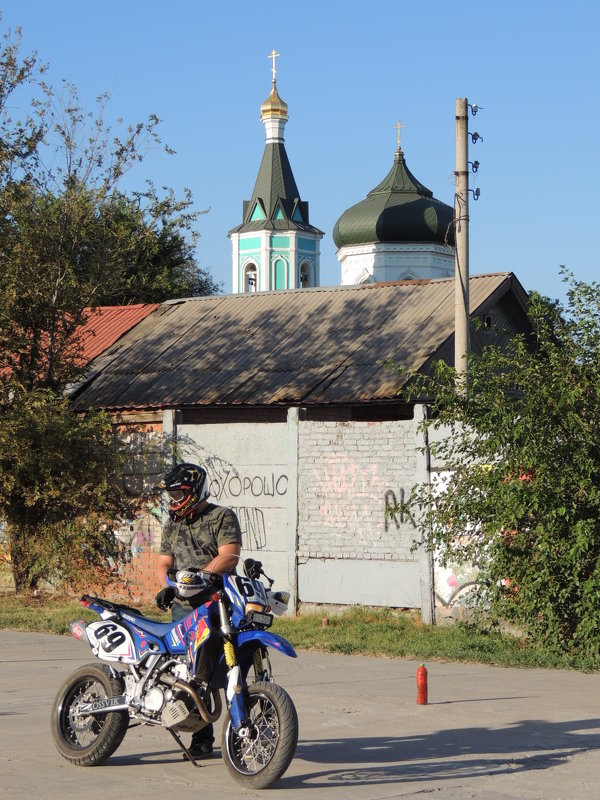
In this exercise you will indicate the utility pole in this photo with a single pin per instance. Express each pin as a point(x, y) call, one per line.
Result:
point(462, 344)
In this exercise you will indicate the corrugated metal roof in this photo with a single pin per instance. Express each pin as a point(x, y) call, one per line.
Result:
point(323, 345)
point(106, 324)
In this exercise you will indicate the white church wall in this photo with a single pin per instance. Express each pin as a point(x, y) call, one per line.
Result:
point(391, 262)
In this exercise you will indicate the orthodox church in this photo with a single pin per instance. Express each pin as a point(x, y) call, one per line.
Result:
point(400, 231)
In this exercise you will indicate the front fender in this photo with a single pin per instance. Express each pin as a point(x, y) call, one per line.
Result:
point(247, 643)
point(268, 639)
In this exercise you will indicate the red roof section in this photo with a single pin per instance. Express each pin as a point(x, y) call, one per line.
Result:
point(106, 324)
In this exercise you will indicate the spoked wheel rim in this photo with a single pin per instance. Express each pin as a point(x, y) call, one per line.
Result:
point(252, 753)
point(82, 730)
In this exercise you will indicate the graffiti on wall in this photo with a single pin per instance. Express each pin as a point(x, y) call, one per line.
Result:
point(141, 533)
point(396, 511)
point(242, 490)
point(348, 493)
point(229, 485)
point(252, 524)
point(455, 584)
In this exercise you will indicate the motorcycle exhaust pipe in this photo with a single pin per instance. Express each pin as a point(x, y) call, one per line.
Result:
point(200, 704)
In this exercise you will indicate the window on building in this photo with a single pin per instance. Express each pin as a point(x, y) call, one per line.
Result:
point(257, 213)
point(306, 278)
point(250, 278)
point(280, 269)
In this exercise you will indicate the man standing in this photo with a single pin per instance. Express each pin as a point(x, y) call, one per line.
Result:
point(199, 535)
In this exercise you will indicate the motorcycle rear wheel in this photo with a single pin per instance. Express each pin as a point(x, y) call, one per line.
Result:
point(87, 740)
point(260, 759)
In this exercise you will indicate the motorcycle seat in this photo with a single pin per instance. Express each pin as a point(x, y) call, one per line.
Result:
point(150, 626)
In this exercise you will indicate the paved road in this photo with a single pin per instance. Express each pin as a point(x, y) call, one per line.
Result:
point(487, 733)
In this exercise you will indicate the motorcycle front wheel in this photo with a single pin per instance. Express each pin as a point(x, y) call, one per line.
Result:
point(259, 759)
point(87, 739)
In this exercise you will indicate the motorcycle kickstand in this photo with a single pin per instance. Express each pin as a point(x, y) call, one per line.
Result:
point(190, 757)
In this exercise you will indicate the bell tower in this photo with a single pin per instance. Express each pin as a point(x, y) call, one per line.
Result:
point(275, 247)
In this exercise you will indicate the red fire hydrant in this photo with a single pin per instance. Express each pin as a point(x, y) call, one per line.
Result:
point(422, 685)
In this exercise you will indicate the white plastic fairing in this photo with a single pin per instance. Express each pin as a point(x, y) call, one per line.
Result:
point(111, 641)
point(278, 602)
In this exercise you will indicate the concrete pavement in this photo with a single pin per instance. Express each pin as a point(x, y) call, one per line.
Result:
point(487, 733)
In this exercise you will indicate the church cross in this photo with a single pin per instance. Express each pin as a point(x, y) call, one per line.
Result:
point(274, 54)
point(399, 126)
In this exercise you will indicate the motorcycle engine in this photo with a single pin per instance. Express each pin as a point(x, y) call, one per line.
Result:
point(154, 700)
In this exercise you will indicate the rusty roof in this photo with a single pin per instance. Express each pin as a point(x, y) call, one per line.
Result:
point(105, 324)
point(305, 346)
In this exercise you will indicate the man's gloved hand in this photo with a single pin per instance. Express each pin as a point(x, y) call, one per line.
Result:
point(164, 599)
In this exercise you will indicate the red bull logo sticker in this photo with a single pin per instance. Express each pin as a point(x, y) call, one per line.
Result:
point(202, 633)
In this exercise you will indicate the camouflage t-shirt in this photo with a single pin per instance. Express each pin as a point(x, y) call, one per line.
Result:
point(196, 543)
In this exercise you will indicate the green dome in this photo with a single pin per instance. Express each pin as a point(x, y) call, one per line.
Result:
point(399, 209)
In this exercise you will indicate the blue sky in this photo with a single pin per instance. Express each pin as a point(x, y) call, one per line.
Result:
point(349, 71)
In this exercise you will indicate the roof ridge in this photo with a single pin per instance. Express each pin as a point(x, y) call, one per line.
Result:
point(337, 287)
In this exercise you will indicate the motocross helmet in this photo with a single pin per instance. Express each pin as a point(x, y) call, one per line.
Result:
point(186, 486)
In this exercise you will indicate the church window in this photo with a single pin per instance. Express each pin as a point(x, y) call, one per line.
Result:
point(278, 213)
point(305, 275)
point(280, 274)
point(250, 278)
point(257, 213)
point(297, 216)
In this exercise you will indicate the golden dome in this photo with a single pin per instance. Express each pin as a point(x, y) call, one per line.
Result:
point(274, 106)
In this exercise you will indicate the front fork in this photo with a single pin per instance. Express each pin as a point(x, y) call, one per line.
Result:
point(262, 665)
point(235, 691)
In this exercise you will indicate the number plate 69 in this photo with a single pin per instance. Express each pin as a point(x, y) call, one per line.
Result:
point(111, 641)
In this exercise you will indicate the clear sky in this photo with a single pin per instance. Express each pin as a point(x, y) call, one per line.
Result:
point(349, 71)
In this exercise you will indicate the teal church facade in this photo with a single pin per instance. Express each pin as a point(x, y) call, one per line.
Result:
point(275, 247)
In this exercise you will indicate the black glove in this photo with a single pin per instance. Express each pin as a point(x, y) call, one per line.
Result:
point(164, 599)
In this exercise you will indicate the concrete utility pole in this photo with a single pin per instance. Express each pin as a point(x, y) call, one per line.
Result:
point(462, 344)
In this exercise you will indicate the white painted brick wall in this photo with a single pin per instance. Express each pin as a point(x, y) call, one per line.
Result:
point(346, 471)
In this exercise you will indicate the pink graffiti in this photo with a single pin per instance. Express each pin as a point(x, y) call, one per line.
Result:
point(347, 492)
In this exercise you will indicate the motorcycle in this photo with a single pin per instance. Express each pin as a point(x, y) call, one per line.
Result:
point(171, 674)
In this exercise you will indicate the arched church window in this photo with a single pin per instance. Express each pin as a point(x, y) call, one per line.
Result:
point(280, 269)
point(306, 279)
point(250, 278)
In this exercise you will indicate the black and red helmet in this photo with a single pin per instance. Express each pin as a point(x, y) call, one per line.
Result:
point(186, 486)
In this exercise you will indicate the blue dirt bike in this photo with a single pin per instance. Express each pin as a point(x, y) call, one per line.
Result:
point(170, 674)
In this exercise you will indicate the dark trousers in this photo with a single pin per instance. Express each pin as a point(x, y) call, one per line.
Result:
point(207, 733)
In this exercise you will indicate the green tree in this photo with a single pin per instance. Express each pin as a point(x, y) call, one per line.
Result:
point(522, 495)
point(58, 490)
point(70, 238)
point(156, 249)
